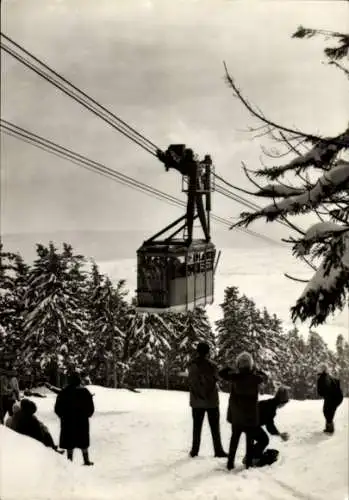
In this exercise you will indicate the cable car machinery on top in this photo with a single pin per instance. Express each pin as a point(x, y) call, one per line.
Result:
point(176, 274)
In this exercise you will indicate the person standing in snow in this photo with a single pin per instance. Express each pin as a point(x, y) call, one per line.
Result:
point(202, 378)
point(25, 422)
point(328, 388)
point(267, 409)
point(9, 392)
point(74, 406)
point(243, 405)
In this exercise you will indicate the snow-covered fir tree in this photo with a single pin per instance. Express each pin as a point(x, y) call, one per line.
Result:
point(54, 317)
point(107, 307)
point(294, 371)
point(147, 347)
point(191, 328)
point(13, 284)
point(244, 328)
point(342, 362)
point(232, 328)
point(319, 169)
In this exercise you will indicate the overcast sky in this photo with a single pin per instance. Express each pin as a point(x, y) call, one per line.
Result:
point(158, 65)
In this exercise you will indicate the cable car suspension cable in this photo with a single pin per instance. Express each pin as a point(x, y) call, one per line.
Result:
point(48, 74)
point(80, 160)
point(56, 79)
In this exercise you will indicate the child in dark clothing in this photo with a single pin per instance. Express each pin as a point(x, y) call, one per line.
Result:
point(242, 409)
point(267, 409)
point(328, 388)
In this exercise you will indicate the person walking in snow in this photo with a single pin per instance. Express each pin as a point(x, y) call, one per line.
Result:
point(328, 388)
point(243, 405)
point(74, 406)
point(267, 409)
point(202, 378)
point(25, 422)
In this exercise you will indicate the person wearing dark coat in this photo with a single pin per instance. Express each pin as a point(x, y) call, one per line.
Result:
point(203, 376)
point(243, 405)
point(24, 421)
point(267, 409)
point(328, 388)
point(74, 406)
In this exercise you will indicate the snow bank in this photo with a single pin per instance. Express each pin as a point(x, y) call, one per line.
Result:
point(30, 471)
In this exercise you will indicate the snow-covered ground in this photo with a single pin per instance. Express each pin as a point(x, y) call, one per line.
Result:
point(140, 446)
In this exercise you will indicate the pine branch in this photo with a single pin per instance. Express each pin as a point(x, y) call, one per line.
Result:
point(336, 141)
point(295, 279)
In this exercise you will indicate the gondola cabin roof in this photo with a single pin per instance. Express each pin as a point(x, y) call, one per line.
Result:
point(175, 247)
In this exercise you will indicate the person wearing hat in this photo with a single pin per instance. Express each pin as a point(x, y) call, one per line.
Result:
point(202, 378)
point(328, 388)
point(267, 409)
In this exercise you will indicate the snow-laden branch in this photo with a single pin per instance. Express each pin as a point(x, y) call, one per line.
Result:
point(327, 291)
point(320, 156)
point(333, 181)
point(317, 233)
point(278, 191)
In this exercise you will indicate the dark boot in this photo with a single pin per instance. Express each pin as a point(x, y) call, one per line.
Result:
point(230, 465)
point(86, 458)
point(329, 429)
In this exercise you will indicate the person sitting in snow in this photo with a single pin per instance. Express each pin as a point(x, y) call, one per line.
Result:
point(74, 406)
point(243, 405)
point(267, 409)
point(25, 422)
point(328, 388)
point(202, 378)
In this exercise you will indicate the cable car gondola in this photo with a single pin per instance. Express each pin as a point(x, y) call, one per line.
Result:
point(176, 274)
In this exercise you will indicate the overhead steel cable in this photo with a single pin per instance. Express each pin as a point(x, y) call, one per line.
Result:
point(42, 69)
point(60, 82)
point(225, 192)
point(233, 187)
point(80, 160)
point(243, 201)
point(53, 148)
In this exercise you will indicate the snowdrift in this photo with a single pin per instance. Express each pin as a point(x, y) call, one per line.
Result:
point(140, 444)
point(29, 471)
